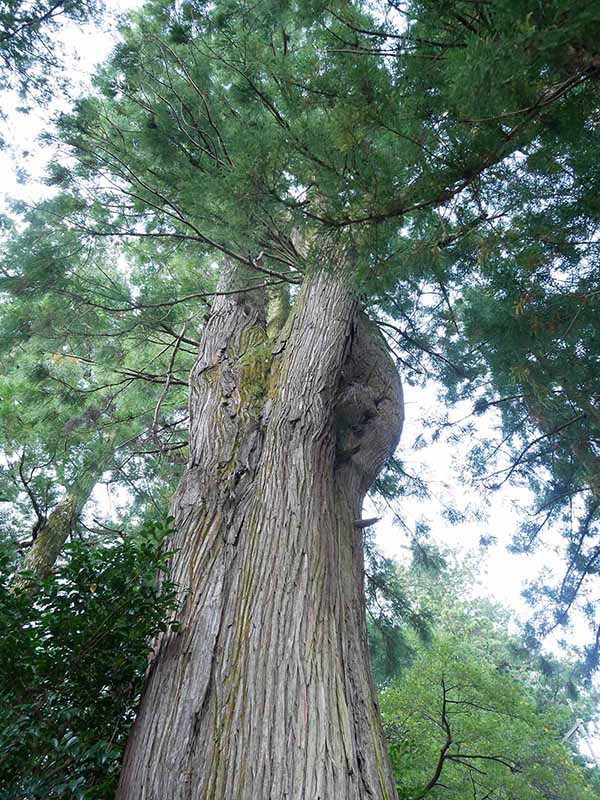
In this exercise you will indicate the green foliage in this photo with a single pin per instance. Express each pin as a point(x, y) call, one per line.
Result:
point(232, 125)
point(87, 345)
point(525, 333)
point(451, 148)
point(474, 711)
point(29, 50)
point(72, 664)
point(455, 711)
point(394, 614)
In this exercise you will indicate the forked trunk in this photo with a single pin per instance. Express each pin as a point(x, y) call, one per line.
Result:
point(265, 692)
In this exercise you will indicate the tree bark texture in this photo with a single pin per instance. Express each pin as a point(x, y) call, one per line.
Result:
point(264, 692)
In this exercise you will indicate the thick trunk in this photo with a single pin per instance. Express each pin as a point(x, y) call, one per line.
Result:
point(265, 691)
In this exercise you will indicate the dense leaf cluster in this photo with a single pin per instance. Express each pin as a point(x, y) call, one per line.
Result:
point(72, 662)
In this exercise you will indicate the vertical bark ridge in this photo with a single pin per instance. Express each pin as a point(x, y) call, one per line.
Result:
point(209, 508)
point(282, 662)
point(370, 415)
point(278, 309)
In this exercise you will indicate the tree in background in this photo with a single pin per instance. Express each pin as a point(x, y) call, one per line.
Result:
point(459, 728)
point(85, 395)
point(475, 713)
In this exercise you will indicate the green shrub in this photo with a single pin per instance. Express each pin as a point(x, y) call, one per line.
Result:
point(72, 661)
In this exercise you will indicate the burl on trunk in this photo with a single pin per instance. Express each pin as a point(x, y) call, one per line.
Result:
point(265, 692)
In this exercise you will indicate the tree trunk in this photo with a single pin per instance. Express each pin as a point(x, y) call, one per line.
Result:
point(265, 692)
point(38, 561)
point(49, 541)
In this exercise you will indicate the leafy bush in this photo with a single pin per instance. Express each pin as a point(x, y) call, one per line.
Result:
point(72, 661)
point(460, 729)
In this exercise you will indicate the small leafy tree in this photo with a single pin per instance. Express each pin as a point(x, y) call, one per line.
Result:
point(476, 714)
point(461, 729)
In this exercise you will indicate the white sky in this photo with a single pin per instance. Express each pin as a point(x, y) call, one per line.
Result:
point(503, 574)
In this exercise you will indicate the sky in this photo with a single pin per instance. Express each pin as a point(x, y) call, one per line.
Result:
point(503, 574)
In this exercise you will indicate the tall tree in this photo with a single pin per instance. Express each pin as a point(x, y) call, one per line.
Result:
point(306, 144)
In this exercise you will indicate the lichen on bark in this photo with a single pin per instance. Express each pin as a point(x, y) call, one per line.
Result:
point(38, 561)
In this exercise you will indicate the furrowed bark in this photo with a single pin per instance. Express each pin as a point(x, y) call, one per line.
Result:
point(265, 690)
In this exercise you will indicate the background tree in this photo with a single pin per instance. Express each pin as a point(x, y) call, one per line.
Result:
point(85, 394)
point(461, 729)
point(477, 713)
